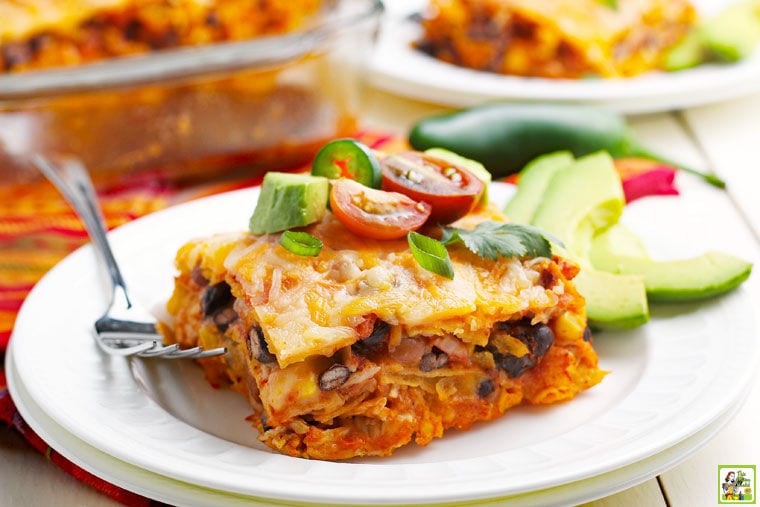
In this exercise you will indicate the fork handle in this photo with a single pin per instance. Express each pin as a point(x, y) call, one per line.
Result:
point(72, 180)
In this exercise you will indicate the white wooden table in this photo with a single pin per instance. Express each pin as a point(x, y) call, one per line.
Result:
point(723, 137)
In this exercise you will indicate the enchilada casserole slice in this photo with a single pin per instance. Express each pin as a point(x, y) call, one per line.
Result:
point(556, 38)
point(52, 33)
point(358, 350)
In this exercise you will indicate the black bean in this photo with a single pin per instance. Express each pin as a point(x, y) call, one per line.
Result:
point(544, 337)
point(587, 337)
point(334, 377)
point(257, 346)
point(215, 298)
point(375, 341)
point(485, 387)
point(513, 365)
point(537, 338)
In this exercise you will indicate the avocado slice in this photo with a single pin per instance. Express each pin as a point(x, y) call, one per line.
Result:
point(579, 202)
point(613, 301)
point(618, 240)
point(289, 200)
point(473, 166)
point(729, 36)
point(734, 33)
point(619, 250)
point(533, 180)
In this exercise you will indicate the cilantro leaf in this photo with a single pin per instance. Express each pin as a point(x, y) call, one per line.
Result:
point(492, 240)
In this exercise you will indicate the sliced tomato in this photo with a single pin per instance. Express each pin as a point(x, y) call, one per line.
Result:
point(450, 189)
point(374, 213)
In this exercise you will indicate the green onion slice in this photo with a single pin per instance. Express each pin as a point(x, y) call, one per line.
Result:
point(301, 243)
point(430, 254)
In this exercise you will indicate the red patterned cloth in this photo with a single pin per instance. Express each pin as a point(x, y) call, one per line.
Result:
point(38, 229)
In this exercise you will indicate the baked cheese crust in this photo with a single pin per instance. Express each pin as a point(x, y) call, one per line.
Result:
point(359, 350)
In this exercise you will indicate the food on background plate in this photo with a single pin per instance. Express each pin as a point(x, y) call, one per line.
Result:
point(556, 38)
point(346, 345)
point(47, 33)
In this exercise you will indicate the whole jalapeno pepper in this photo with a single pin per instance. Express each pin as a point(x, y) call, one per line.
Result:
point(505, 136)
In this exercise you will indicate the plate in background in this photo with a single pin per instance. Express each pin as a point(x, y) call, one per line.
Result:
point(398, 68)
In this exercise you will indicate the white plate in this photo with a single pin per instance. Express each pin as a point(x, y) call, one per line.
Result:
point(669, 382)
point(175, 492)
point(399, 68)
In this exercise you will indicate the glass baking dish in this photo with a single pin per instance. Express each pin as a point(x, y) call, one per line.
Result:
point(194, 112)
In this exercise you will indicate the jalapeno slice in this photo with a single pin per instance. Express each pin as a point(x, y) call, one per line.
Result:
point(350, 159)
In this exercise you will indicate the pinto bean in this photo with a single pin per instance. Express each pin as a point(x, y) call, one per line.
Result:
point(434, 360)
point(196, 275)
point(334, 377)
point(224, 317)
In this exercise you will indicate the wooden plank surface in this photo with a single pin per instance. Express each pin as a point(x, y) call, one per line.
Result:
point(729, 136)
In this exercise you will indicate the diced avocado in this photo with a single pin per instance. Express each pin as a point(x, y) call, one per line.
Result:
point(533, 180)
point(473, 166)
point(734, 33)
point(619, 250)
point(580, 202)
point(289, 200)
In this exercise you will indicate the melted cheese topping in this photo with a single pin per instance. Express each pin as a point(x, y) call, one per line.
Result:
point(313, 305)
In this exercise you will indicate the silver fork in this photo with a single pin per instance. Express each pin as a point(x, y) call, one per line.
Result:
point(125, 329)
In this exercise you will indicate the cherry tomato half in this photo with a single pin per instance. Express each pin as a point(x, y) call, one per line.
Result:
point(374, 213)
point(347, 158)
point(451, 190)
